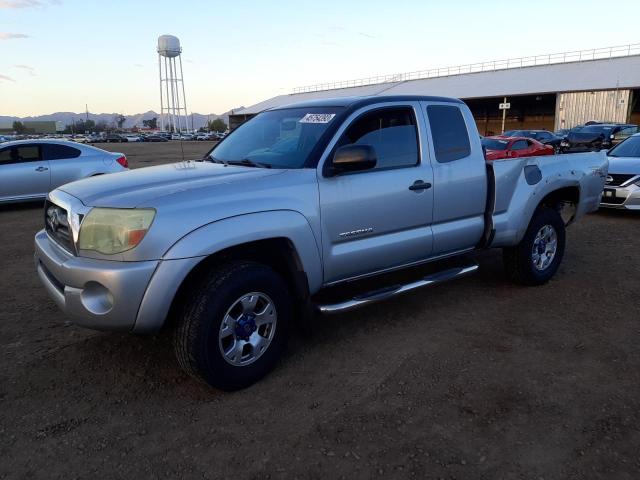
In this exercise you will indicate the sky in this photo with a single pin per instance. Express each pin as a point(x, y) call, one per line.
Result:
point(58, 55)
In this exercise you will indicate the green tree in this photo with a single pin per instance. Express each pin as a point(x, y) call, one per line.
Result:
point(217, 125)
point(19, 128)
point(119, 120)
point(151, 123)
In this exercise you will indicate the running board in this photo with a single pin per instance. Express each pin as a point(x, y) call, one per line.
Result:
point(394, 290)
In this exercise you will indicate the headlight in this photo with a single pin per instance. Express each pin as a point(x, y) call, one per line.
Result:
point(114, 230)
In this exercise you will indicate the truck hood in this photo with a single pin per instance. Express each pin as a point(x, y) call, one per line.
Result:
point(624, 165)
point(132, 188)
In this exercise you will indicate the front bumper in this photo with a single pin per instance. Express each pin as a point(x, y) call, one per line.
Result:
point(624, 198)
point(98, 294)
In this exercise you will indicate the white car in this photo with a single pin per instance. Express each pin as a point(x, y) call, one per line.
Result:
point(133, 138)
point(622, 188)
point(29, 169)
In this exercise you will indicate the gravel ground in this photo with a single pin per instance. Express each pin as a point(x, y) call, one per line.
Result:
point(475, 379)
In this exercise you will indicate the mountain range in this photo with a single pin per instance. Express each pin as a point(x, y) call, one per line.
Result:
point(67, 118)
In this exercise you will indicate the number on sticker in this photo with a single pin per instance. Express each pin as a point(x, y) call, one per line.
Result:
point(317, 118)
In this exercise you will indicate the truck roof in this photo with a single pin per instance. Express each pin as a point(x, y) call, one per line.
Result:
point(357, 102)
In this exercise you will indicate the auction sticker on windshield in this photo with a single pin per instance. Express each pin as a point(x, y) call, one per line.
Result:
point(317, 118)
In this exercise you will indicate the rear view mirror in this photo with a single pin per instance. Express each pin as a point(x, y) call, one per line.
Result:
point(288, 125)
point(353, 158)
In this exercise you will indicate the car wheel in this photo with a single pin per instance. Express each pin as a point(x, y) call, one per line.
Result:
point(233, 327)
point(536, 259)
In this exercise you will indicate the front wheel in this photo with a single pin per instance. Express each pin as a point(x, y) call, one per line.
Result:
point(234, 326)
point(536, 259)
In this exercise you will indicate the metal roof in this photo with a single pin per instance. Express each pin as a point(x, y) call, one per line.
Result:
point(603, 74)
point(357, 102)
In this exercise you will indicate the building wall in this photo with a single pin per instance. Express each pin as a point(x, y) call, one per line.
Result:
point(577, 108)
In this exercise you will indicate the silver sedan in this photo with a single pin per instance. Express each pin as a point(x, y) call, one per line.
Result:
point(622, 188)
point(29, 169)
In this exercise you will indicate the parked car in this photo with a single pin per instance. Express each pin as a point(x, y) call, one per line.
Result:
point(622, 187)
point(514, 147)
point(205, 136)
point(155, 138)
point(241, 246)
point(596, 136)
point(29, 169)
point(543, 136)
point(95, 138)
point(133, 138)
point(175, 136)
point(115, 138)
point(79, 139)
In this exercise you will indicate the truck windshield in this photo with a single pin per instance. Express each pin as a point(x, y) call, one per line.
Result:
point(494, 144)
point(628, 148)
point(276, 138)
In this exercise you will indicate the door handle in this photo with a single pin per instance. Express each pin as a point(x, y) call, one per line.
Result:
point(420, 185)
point(41, 169)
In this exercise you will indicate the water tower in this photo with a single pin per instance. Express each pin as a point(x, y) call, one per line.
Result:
point(173, 102)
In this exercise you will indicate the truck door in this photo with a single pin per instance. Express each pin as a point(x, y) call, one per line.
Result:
point(459, 177)
point(380, 218)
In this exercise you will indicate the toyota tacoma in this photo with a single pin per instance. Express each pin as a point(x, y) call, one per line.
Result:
point(296, 207)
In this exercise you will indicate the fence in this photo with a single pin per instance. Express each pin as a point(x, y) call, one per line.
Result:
point(494, 65)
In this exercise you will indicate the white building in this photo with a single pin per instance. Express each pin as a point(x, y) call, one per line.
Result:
point(548, 91)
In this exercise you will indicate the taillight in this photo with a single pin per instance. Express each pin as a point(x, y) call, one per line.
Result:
point(123, 161)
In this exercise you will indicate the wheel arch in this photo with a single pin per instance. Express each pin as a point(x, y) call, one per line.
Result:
point(511, 225)
point(294, 255)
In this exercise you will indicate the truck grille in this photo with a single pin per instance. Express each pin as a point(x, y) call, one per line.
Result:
point(56, 222)
point(617, 179)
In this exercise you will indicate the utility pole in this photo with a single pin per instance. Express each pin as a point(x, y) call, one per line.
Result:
point(504, 113)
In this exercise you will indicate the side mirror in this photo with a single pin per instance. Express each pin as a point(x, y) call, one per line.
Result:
point(353, 158)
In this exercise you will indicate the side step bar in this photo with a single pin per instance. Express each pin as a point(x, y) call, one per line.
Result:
point(394, 290)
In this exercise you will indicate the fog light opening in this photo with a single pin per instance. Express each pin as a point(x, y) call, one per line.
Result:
point(96, 298)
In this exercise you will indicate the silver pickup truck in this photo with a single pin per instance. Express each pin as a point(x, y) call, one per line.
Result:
point(298, 206)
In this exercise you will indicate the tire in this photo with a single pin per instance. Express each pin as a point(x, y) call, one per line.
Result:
point(522, 264)
point(199, 339)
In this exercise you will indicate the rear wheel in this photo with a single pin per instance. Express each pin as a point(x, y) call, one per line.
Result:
point(234, 326)
point(536, 259)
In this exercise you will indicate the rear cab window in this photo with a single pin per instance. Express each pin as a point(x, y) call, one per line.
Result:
point(449, 132)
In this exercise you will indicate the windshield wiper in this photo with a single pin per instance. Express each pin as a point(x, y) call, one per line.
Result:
point(211, 159)
point(249, 163)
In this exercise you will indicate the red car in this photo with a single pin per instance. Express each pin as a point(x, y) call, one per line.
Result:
point(514, 147)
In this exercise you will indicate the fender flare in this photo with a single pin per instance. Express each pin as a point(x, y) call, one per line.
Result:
point(237, 230)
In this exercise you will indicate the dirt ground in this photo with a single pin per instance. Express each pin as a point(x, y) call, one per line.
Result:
point(475, 379)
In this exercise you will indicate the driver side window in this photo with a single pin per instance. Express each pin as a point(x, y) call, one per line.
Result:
point(391, 132)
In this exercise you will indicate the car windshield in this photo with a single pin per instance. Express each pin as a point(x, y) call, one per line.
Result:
point(494, 144)
point(276, 138)
point(629, 148)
